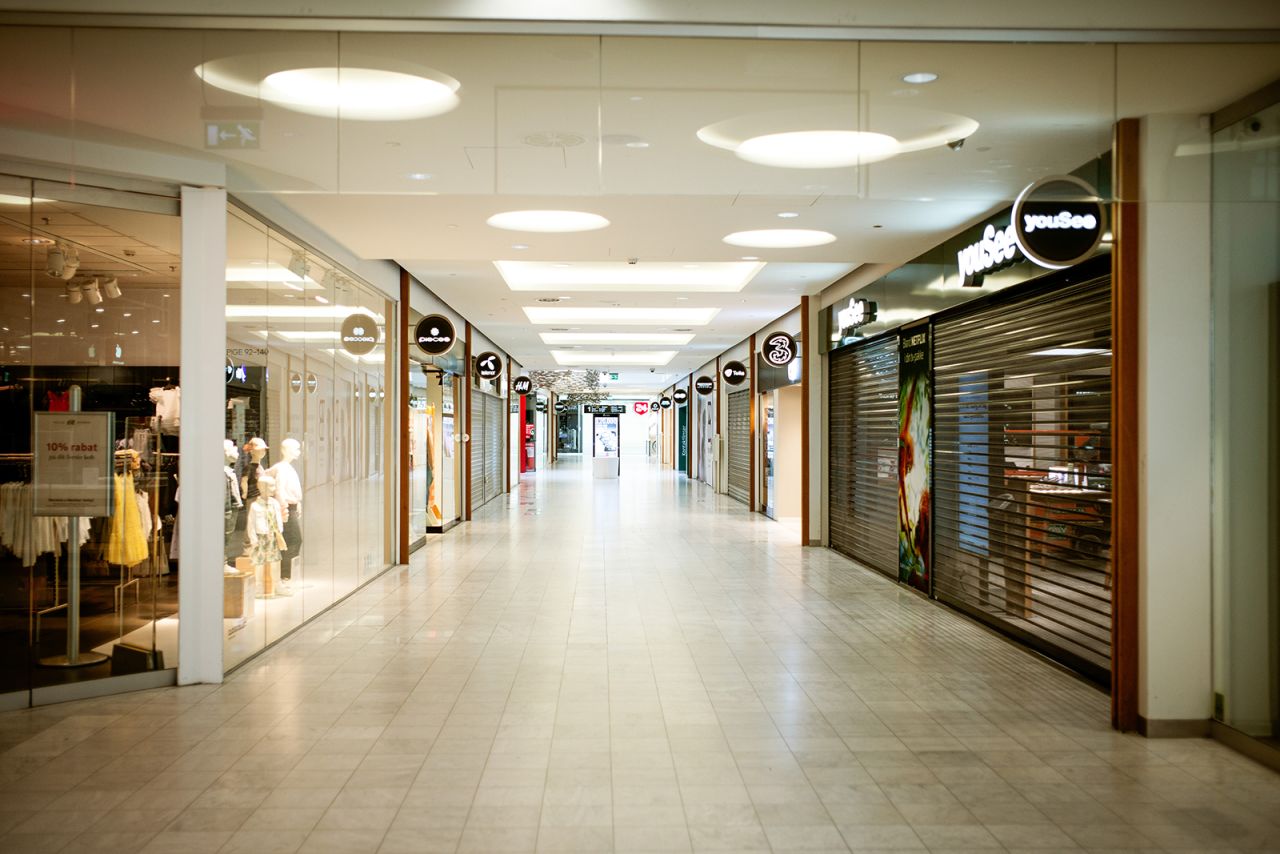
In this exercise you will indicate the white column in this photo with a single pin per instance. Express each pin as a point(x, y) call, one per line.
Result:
point(1175, 678)
point(204, 336)
point(817, 393)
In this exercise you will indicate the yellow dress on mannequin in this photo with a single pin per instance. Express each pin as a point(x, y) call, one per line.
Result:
point(125, 542)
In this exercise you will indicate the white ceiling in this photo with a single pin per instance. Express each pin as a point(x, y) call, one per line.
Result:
point(1041, 108)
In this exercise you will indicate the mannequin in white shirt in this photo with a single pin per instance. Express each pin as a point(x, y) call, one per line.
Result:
point(263, 531)
point(289, 494)
point(233, 503)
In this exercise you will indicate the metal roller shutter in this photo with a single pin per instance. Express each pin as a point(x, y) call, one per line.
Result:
point(493, 447)
point(1022, 451)
point(476, 496)
point(739, 445)
point(862, 509)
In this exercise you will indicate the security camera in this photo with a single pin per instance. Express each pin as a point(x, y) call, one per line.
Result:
point(633, 261)
point(653, 370)
point(1253, 126)
point(955, 144)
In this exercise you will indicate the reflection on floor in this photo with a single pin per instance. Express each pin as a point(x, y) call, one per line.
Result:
point(623, 665)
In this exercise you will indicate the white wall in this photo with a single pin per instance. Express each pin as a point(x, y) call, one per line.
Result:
point(1174, 564)
point(786, 453)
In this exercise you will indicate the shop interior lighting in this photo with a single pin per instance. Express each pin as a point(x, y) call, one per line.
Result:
point(618, 316)
point(111, 287)
point(316, 312)
point(307, 334)
point(652, 358)
point(74, 294)
point(780, 238)
point(92, 292)
point(669, 339)
point(355, 92)
point(298, 265)
point(272, 273)
point(548, 221)
point(22, 201)
point(61, 261)
point(645, 276)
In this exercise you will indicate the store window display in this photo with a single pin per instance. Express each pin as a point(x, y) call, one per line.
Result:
point(307, 414)
point(93, 328)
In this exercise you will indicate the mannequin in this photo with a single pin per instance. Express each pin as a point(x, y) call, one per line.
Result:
point(288, 487)
point(249, 467)
point(265, 539)
point(233, 504)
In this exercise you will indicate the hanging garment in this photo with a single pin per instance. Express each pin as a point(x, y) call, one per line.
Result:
point(126, 544)
point(168, 403)
point(59, 401)
point(265, 521)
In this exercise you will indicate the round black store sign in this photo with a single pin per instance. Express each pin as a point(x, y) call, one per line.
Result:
point(488, 366)
point(665, 402)
point(655, 406)
point(1058, 221)
point(359, 334)
point(779, 349)
point(680, 395)
point(560, 407)
point(704, 385)
point(734, 373)
point(522, 385)
point(434, 334)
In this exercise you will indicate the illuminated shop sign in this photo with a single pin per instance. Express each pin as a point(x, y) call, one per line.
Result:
point(1056, 222)
point(860, 312)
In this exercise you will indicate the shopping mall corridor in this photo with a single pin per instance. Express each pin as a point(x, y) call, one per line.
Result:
point(629, 665)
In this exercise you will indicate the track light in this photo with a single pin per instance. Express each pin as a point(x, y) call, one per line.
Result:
point(298, 264)
point(955, 144)
point(92, 292)
point(112, 287)
point(73, 293)
point(61, 262)
point(330, 279)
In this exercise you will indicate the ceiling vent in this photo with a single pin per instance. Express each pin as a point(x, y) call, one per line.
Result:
point(554, 139)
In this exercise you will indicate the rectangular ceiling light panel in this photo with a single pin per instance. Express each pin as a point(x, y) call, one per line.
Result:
point(297, 312)
point(653, 358)
point(268, 273)
point(725, 277)
point(621, 316)
point(652, 339)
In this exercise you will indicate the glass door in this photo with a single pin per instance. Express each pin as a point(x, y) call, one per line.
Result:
point(769, 404)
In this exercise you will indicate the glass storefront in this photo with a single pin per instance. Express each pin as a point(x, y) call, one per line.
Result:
point(89, 303)
point(435, 455)
point(309, 432)
point(1246, 424)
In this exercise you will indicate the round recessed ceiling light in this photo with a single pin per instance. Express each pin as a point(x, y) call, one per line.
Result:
point(788, 215)
point(419, 176)
point(780, 238)
point(919, 77)
point(547, 221)
point(639, 143)
point(818, 149)
point(519, 246)
point(750, 257)
point(351, 92)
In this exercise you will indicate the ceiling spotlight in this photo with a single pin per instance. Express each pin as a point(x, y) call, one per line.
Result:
point(92, 292)
point(419, 176)
point(73, 293)
point(779, 238)
point(955, 144)
point(919, 77)
point(547, 221)
point(112, 287)
point(788, 215)
point(329, 280)
point(61, 262)
point(298, 264)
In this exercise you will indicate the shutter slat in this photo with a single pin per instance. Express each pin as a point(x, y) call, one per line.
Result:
point(739, 444)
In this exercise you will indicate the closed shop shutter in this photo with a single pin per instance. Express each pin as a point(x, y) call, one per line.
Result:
point(739, 445)
point(477, 448)
point(862, 509)
point(493, 447)
point(1022, 450)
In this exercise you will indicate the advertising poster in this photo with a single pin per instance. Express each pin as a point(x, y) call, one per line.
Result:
point(915, 459)
point(606, 435)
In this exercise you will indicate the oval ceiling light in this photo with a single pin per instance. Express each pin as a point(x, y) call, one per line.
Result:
point(780, 238)
point(547, 221)
point(360, 92)
point(818, 149)
point(919, 77)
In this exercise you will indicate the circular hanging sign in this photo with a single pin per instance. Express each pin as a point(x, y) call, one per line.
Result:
point(434, 334)
point(734, 373)
point(541, 406)
point(231, 369)
point(312, 383)
point(704, 385)
point(560, 407)
point(359, 334)
point(1058, 221)
point(488, 366)
point(680, 395)
point(522, 385)
point(295, 382)
point(779, 349)
point(654, 406)
point(664, 402)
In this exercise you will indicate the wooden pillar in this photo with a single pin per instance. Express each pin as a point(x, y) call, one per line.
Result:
point(402, 436)
point(511, 395)
point(751, 432)
point(807, 350)
point(1125, 347)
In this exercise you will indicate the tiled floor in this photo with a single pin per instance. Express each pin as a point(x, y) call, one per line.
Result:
point(635, 665)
